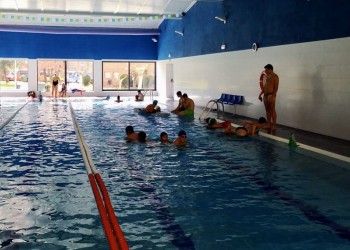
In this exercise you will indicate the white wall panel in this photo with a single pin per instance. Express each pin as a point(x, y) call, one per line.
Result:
point(314, 91)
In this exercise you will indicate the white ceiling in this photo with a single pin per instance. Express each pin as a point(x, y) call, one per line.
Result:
point(139, 14)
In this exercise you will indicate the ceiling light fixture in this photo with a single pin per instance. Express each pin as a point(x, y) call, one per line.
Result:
point(179, 32)
point(221, 18)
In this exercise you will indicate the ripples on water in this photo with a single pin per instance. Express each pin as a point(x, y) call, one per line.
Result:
point(219, 192)
point(46, 200)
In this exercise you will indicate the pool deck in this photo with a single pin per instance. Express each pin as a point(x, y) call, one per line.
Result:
point(327, 143)
point(324, 143)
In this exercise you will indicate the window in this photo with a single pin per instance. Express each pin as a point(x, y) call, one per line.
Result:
point(13, 75)
point(115, 75)
point(80, 75)
point(77, 74)
point(142, 76)
point(128, 75)
point(46, 71)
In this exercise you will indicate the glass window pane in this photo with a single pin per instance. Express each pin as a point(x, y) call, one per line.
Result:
point(142, 75)
point(14, 75)
point(115, 76)
point(46, 70)
point(80, 75)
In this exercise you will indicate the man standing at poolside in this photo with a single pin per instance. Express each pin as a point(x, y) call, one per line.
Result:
point(269, 91)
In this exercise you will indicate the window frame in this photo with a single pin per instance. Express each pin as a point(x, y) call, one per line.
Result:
point(107, 67)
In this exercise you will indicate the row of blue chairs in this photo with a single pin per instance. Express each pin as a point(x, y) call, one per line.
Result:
point(224, 99)
point(230, 99)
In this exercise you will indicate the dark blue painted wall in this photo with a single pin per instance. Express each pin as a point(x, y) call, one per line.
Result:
point(73, 46)
point(265, 22)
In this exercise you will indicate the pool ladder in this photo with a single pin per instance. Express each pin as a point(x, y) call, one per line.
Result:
point(150, 93)
point(207, 110)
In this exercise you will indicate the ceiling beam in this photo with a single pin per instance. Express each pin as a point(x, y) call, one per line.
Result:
point(77, 30)
point(78, 13)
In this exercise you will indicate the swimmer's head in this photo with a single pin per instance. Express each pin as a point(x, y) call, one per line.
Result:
point(155, 102)
point(129, 130)
point(212, 122)
point(241, 132)
point(207, 120)
point(182, 133)
point(164, 137)
point(142, 136)
point(262, 120)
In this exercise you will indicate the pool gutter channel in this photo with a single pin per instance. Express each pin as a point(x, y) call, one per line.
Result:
point(304, 146)
point(307, 147)
point(300, 145)
point(310, 148)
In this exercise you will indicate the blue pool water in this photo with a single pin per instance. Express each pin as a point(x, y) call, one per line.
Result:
point(219, 192)
point(8, 107)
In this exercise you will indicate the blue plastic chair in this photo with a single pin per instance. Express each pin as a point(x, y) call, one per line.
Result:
point(221, 99)
point(225, 99)
point(231, 99)
point(238, 99)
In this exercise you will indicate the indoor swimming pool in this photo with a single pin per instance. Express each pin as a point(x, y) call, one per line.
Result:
point(218, 192)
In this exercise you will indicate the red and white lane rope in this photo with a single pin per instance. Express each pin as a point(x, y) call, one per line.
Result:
point(109, 220)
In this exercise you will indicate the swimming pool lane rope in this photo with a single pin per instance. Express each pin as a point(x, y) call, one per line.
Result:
point(109, 220)
point(11, 117)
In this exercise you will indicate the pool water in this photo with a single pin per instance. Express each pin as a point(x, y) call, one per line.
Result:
point(218, 192)
point(8, 107)
point(46, 201)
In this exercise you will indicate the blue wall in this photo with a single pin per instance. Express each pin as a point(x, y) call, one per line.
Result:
point(265, 22)
point(73, 46)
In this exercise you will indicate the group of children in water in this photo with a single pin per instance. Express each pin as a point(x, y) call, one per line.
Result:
point(141, 136)
point(248, 127)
